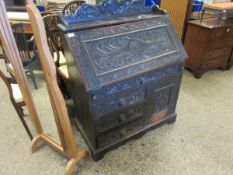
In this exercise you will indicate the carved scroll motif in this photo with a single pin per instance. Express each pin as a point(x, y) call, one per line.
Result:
point(116, 52)
point(107, 9)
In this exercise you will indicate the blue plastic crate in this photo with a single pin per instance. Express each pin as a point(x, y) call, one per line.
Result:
point(152, 2)
point(197, 6)
point(40, 8)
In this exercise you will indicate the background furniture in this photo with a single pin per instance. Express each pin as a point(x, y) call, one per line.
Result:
point(17, 100)
point(71, 7)
point(209, 45)
point(20, 17)
point(11, 51)
point(27, 50)
point(15, 5)
point(220, 10)
point(180, 12)
point(55, 7)
point(53, 37)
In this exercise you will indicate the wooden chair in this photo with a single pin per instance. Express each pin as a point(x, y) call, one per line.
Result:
point(64, 82)
point(16, 98)
point(68, 146)
point(54, 38)
point(63, 73)
point(71, 7)
point(55, 6)
point(8, 44)
point(9, 66)
point(56, 49)
point(26, 49)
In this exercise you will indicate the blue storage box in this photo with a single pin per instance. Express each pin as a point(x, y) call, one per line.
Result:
point(40, 8)
point(152, 2)
point(197, 6)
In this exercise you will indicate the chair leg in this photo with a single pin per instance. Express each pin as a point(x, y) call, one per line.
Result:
point(19, 112)
point(32, 75)
point(63, 87)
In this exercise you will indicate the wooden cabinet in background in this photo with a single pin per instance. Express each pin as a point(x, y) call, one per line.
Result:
point(209, 45)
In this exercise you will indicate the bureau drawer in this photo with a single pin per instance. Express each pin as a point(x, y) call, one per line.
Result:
point(221, 62)
point(219, 53)
point(115, 120)
point(220, 33)
point(119, 102)
point(221, 43)
point(120, 133)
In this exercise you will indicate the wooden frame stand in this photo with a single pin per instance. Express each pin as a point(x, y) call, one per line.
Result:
point(74, 159)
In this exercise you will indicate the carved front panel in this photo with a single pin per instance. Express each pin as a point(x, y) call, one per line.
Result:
point(111, 53)
point(162, 98)
point(137, 82)
point(120, 133)
point(105, 32)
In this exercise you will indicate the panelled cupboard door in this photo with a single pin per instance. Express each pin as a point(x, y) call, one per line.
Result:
point(177, 11)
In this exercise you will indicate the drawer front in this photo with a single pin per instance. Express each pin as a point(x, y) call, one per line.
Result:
point(119, 102)
point(219, 53)
point(220, 43)
point(220, 33)
point(116, 120)
point(120, 133)
point(222, 62)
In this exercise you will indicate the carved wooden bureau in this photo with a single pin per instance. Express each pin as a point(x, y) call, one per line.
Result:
point(125, 65)
point(209, 45)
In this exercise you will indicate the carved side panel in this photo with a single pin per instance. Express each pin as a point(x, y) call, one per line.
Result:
point(162, 98)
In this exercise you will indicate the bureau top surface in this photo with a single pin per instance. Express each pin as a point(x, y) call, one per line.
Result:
point(108, 53)
point(213, 23)
point(221, 6)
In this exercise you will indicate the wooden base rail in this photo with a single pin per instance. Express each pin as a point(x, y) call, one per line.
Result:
point(74, 159)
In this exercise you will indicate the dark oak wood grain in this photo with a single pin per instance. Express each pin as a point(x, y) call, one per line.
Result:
point(209, 45)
